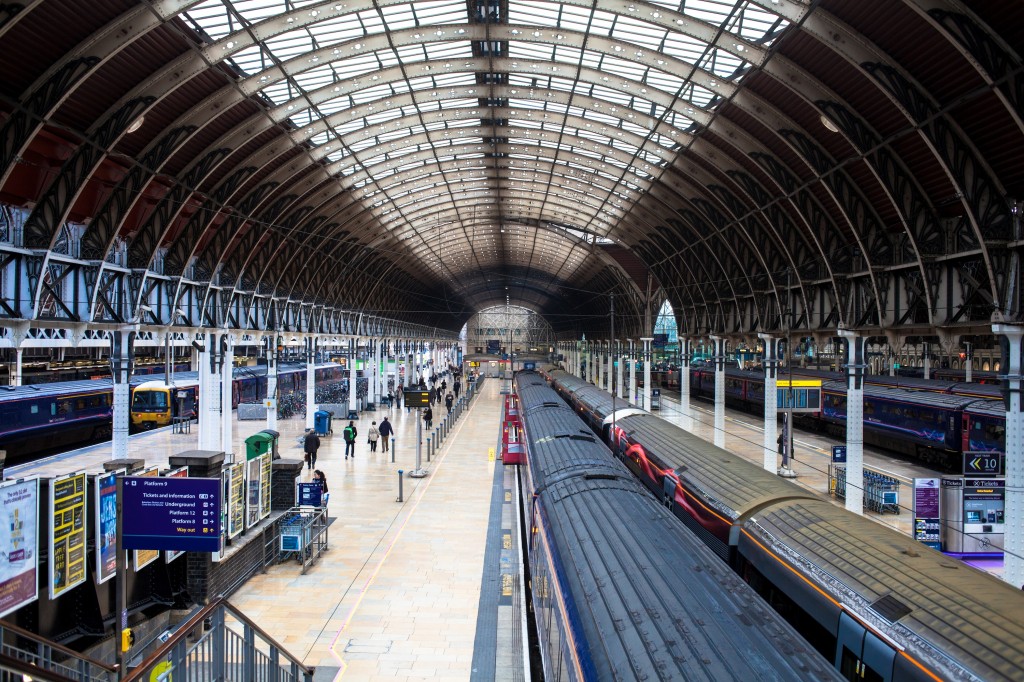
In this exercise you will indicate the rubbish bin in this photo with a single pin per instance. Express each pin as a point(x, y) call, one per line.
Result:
point(322, 422)
point(259, 444)
point(276, 435)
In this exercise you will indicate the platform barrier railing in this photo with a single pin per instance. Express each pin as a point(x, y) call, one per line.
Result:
point(231, 648)
point(46, 659)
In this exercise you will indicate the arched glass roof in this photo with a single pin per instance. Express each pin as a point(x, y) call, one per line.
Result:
point(454, 122)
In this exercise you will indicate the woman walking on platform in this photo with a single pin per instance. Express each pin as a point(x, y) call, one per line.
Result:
point(373, 436)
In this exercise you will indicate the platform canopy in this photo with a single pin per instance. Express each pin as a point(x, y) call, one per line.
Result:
point(278, 163)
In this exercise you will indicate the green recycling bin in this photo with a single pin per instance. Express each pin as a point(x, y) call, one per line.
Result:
point(258, 444)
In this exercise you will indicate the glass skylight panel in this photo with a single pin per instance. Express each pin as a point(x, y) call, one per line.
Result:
point(711, 11)
point(684, 47)
point(533, 13)
point(336, 30)
point(213, 17)
point(638, 32)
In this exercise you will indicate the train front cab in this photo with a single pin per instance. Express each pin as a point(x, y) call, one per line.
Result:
point(154, 405)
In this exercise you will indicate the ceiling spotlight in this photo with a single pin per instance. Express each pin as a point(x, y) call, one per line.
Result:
point(827, 122)
point(136, 124)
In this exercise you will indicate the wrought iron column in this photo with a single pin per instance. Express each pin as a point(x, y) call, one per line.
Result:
point(854, 421)
point(1013, 541)
point(353, 384)
point(646, 404)
point(684, 383)
point(618, 369)
point(227, 350)
point(771, 407)
point(311, 381)
point(210, 403)
point(719, 360)
point(270, 343)
point(632, 372)
point(122, 357)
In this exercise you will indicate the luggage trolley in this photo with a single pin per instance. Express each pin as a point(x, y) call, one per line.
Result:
point(302, 533)
point(881, 492)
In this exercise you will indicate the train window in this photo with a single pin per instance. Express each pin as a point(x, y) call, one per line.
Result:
point(80, 404)
point(150, 401)
point(34, 409)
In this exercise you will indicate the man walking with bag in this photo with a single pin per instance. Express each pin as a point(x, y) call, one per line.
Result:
point(350, 440)
point(385, 433)
point(311, 444)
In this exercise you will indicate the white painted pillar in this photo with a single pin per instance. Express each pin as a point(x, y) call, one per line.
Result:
point(927, 360)
point(968, 362)
point(719, 361)
point(684, 384)
point(620, 360)
point(771, 407)
point(227, 385)
point(210, 403)
point(610, 367)
point(1013, 539)
point(632, 372)
point(378, 372)
point(271, 400)
point(854, 421)
point(16, 375)
point(310, 381)
point(646, 340)
point(598, 364)
point(353, 388)
point(121, 360)
point(407, 364)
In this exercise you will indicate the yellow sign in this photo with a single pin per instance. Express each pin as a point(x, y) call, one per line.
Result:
point(506, 585)
point(490, 454)
point(67, 533)
point(798, 383)
point(506, 541)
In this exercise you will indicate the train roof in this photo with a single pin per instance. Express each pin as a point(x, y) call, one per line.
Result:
point(918, 398)
point(907, 591)
point(558, 442)
point(732, 485)
point(652, 601)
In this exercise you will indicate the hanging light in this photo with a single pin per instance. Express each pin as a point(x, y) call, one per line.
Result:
point(829, 124)
point(136, 124)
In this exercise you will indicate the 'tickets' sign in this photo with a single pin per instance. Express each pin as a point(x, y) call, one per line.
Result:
point(171, 513)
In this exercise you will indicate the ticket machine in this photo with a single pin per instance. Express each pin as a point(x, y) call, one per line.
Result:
point(973, 514)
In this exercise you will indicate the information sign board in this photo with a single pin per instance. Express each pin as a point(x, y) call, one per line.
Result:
point(67, 533)
point(493, 346)
point(308, 494)
point(172, 554)
point(839, 454)
point(171, 513)
point(798, 395)
point(236, 501)
point(983, 464)
point(106, 525)
point(927, 520)
point(417, 398)
point(145, 557)
point(19, 540)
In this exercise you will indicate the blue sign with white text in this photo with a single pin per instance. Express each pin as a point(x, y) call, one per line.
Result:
point(839, 454)
point(309, 494)
point(171, 513)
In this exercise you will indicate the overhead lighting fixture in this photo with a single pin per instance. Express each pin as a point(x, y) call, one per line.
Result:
point(136, 124)
point(827, 122)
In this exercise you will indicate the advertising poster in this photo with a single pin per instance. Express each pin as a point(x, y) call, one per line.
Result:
point(106, 526)
point(144, 557)
point(19, 535)
point(172, 554)
point(236, 511)
point(265, 469)
point(67, 533)
point(252, 492)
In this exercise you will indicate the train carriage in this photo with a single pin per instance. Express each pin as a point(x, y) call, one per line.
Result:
point(620, 589)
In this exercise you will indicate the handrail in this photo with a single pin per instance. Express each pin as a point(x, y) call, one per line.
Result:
point(163, 651)
point(28, 670)
point(39, 639)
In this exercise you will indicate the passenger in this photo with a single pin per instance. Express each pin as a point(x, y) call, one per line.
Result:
point(385, 433)
point(428, 418)
point(449, 400)
point(373, 436)
point(318, 477)
point(350, 439)
point(311, 444)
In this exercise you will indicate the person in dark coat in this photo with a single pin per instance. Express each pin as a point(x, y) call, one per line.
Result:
point(385, 433)
point(311, 444)
point(428, 418)
point(449, 400)
point(318, 477)
point(350, 439)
